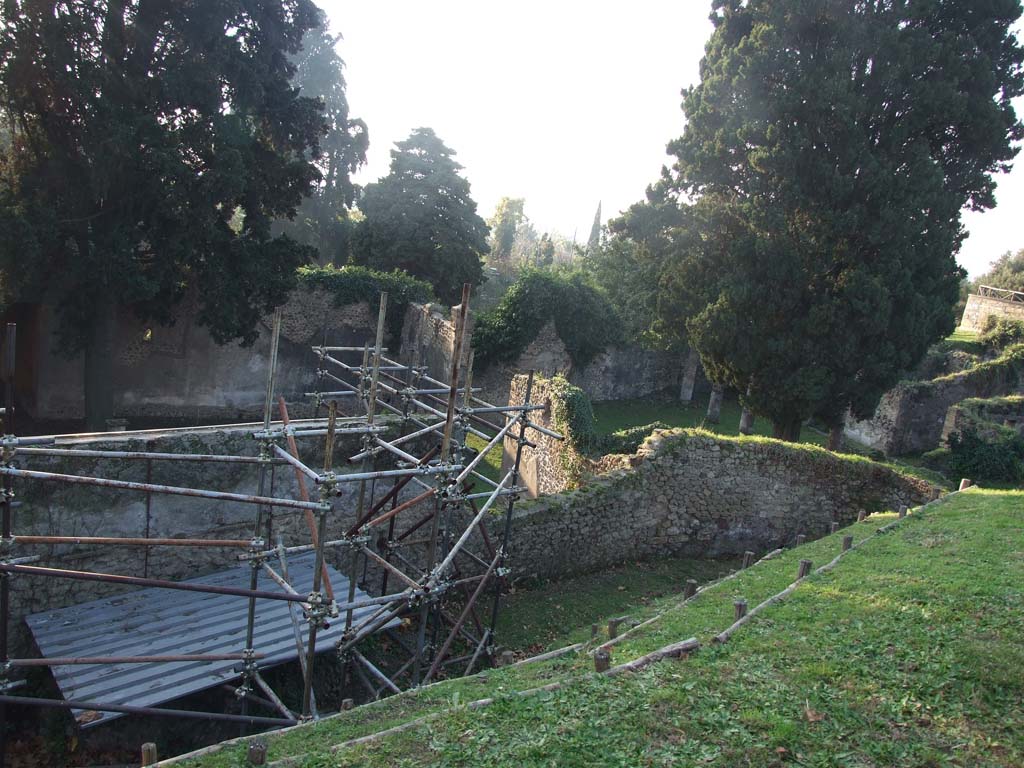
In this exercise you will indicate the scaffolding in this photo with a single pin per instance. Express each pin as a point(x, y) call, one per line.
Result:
point(441, 587)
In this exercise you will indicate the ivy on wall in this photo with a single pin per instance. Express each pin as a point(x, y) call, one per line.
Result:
point(584, 318)
point(573, 416)
point(353, 284)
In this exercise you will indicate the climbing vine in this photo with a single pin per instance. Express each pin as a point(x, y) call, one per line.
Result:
point(353, 284)
point(585, 320)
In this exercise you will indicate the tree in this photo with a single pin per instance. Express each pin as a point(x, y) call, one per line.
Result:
point(1005, 272)
point(831, 147)
point(504, 224)
point(138, 131)
point(594, 241)
point(323, 219)
point(421, 219)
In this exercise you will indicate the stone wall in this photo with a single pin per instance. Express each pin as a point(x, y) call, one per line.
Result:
point(684, 492)
point(980, 307)
point(178, 372)
point(910, 417)
point(688, 493)
point(992, 419)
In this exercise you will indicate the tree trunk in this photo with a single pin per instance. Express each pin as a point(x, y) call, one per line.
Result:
point(787, 429)
point(835, 437)
point(690, 368)
point(99, 363)
point(715, 405)
point(746, 422)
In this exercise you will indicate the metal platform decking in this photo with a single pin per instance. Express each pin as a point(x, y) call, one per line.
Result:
point(155, 621)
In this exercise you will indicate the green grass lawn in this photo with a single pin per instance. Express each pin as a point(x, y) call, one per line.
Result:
point(612, 416)
point(908, 654)
point(556, 613)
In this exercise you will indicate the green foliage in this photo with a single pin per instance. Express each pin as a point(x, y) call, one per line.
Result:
point(584, 319)
point(998, 333)
point(420, 218)
point(506, 222)
point(1005, 272)
point(322, 220)
point(139, 129)
point(979, 459)
point(829, 159)
point(352, 284)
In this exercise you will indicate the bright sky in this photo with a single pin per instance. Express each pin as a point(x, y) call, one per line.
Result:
point(564, 103)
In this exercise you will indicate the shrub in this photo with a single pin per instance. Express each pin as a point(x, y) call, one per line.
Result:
point(583, 317)
point(353, 284)
point(998, 333)
point(999, 460)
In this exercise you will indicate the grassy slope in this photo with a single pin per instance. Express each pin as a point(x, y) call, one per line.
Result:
point(906, 654)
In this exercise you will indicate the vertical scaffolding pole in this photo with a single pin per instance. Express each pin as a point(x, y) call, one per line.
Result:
point(254, 575)
point(7, 513)
point(317, 610)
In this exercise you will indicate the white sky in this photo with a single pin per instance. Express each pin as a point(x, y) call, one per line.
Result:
point(564, 103)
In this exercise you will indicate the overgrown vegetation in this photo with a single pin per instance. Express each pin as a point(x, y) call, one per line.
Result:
point(352, 284)
point(583, 317)
point(905, 654)
point(998, 333)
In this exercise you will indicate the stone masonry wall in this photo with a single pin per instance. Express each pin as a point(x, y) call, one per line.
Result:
point(980, 307)
point(689, 493)
point(684, 492)
point(178, 372)
point(911, 416)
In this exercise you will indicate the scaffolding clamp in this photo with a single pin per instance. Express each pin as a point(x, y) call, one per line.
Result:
point(318, 611)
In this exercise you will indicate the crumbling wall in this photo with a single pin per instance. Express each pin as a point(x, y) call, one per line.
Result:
point(911, 416)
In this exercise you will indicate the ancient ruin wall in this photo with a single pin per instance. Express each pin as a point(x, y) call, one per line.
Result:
point(911, 416)
point(685, 492)
point(980, 307)
point(688, 493)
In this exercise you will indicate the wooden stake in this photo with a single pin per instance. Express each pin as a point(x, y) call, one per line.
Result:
point(740, 607)
point(257, 753)
point(613, 626)
point(965, 484)
point(748, 559)
point(847, 543)
point(903, 511)
point(690, 589)
point(602, 660)
point(834, 527)
point(800, 539)
point(805, 568)
point(347, 704)
point(862, 515)
point(149, 754)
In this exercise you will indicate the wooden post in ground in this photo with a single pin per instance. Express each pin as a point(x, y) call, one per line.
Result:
point(847, 543)
point(690, 589)
point(748, 559)
point(257, 753)
point(347, 704)
point(149, 754)
point(862, 515)
point(965, 484)
point(834, 527)
point(613, 626)
point(800, 539)
point(805, 569)
point(903, 511)
point(602, 660)
point(740, 607)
